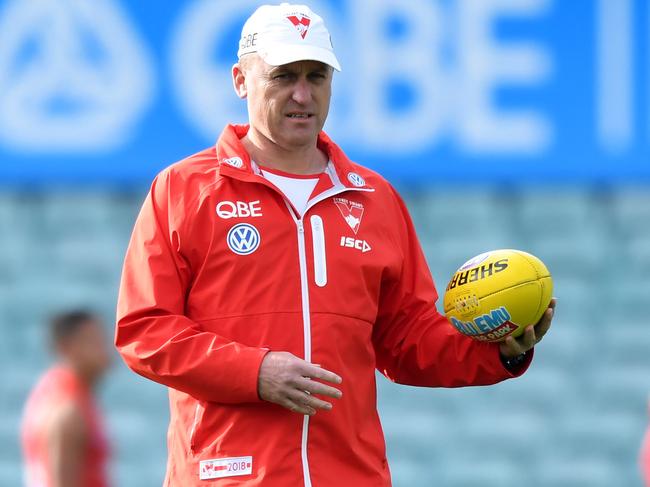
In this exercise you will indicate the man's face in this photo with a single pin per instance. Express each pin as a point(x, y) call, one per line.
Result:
point(88, 349)
point(287, 104)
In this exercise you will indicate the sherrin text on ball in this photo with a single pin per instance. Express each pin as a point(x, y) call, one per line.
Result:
point(497, 294)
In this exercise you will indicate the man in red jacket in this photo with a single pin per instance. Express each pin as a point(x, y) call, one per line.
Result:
point(269, 276)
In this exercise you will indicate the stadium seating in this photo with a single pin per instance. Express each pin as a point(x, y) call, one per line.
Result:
point(575, 419)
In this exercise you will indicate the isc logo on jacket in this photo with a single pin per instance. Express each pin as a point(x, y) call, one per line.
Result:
point(353, 243)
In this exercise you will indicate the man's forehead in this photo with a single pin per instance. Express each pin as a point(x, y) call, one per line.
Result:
point(296, 66)
point(302, 65)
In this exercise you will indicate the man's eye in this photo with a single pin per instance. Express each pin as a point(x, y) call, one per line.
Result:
point(281, 76)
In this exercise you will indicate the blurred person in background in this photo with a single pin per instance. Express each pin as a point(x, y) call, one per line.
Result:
point(267, 278)
point(63, 438)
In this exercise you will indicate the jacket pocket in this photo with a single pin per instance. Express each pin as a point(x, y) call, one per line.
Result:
point(320, 257)
point(194, 430)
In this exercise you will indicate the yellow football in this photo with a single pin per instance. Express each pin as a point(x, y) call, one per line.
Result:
point(497, 294)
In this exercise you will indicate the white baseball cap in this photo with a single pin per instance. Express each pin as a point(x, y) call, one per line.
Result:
point(282, 34)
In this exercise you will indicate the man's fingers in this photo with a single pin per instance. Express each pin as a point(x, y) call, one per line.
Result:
point(513, 347)
point(532, 335)
point(517, 346)
point(308, 401)
point(314, 387)
point(544, 324)
point(286, 380)
point(528, 339)
point(317, 372)
point(299, 408)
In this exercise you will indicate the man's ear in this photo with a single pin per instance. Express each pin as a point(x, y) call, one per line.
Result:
point(239, 81)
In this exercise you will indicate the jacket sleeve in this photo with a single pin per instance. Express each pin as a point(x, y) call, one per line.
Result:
point(414, 343)
point(153, 335)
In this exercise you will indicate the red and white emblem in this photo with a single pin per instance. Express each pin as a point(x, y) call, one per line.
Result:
point(225, 467)
point(301, 23)
point(351, 211)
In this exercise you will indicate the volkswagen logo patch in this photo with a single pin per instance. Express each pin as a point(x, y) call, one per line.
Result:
point(356, 180)
point(234, 162)
point(243, 239)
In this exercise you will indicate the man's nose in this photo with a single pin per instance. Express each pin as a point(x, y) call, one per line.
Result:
point(302, 91)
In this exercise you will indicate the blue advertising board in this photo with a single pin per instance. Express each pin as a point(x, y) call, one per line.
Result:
point(109, 91)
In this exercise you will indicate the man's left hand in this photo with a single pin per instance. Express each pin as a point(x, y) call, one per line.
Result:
point(512, 347)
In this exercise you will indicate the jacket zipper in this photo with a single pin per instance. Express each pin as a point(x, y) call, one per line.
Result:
point(306, 326)
point(304, 294)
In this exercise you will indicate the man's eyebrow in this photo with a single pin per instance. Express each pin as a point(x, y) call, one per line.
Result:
point(284, 69)
point(279, 69)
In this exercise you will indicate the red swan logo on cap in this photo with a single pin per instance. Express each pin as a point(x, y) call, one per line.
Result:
point(301, 24)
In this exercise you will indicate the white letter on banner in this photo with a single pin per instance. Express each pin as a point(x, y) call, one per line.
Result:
point(74, 76)
point(615, 73)
point(413, 60)
point(486, 64)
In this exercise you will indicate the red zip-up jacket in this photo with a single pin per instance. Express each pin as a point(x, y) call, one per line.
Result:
point(221, 269)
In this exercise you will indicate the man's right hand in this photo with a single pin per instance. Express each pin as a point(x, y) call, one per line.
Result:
point(286, 380)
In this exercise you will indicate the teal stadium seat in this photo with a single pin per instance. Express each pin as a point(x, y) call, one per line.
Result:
point(630, 212)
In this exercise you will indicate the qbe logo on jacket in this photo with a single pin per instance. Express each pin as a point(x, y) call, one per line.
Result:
point(243, 239)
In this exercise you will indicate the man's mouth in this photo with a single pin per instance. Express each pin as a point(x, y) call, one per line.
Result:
point(299, 115)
